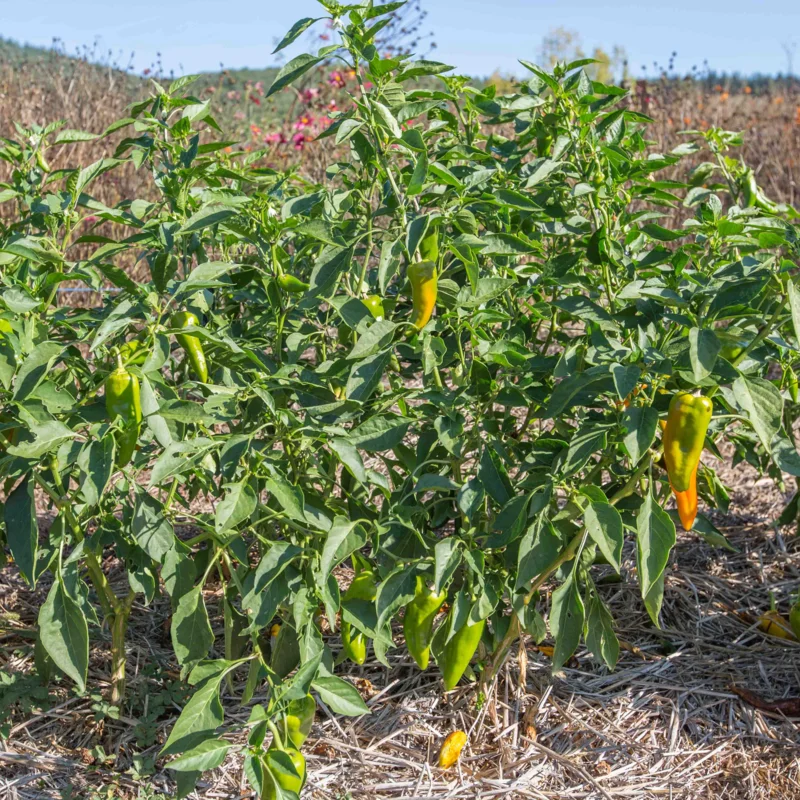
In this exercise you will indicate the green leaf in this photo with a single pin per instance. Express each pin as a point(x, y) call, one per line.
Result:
point(365, 376)
point(22, 531)
point(191, 632)
point(64, 633)
point(236, 506)
point(492, 474)
point(200, 717)
point(206, 217)
point(566, 620)
point(599, 632)
point(34, 368)
point(343, 539)
point(604, 524)
point(291, 71)
point(340, 696)
point(641, 423)
point(205, 756)
point(298, 29)
point(704, 348)
point(378, 336)
point(763, 404)
point(151, 528)
point(655, 540)
point(395, 592)
point(48, 436)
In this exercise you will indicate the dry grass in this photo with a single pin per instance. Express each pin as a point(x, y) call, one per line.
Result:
point(665, 724)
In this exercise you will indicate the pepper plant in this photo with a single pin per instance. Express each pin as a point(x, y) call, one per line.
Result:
point(445, 367)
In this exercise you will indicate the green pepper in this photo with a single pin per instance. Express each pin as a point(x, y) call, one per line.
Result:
point(133, 352)
point(684, 434)
point(123, 401)
point(5, 326)
point(292, 285)
point(191, 344)
point(374, 304)
point(791, 383)
point(458, 652)
point(300, 719)
point(748, 188)
point(354, 643)
point(418, 621)
point(285, 779)
point(429, 246)
point(424, 289)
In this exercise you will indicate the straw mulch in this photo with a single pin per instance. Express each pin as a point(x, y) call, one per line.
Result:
point(665, 724)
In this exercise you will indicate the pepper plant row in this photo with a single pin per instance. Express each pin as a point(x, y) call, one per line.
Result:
point(445, 367)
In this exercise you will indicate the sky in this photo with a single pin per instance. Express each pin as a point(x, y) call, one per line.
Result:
point(475, 36)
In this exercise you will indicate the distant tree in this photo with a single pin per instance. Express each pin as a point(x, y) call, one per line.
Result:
point(561, 44)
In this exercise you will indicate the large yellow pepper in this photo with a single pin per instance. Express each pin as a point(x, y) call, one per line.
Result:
point(424, 288)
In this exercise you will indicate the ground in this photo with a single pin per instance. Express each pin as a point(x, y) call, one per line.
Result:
point(666, 723)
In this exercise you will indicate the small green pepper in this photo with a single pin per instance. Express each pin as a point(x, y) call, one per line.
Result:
point(191, 344)
point(418, 621)
point(292, 285)
point(300, 719)
point(123, 400)
point(374, 304)
point(354, 643)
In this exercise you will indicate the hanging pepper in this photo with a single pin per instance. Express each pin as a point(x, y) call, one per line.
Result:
point(374, 304)
point(191, 344)
point(451, 749)
point(284, 779)
point(123, 401)
point(292, 285)
point(424, 288)
point(791, 383)
point(429, 246)
point(300, 719)
point(418, 621)
point(684, 434)
point(458, 652)
point(354, 642)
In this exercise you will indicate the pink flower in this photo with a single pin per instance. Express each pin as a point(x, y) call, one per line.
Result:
point(255, 130)
point(309, 94)
point(298, 140)
point(274, 138)
point(239, 115)
point(254, 99)
point(336, 79)
point(305, 121)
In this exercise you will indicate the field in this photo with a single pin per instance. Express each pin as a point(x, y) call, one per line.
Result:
point(286, 355)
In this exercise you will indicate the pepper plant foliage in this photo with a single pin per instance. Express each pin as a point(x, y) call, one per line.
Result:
point(505, 450)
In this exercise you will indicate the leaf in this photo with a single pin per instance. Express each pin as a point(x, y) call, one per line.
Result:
point(641, 423)
point(704, 348)
point(206, 217)
point(625, 379)
point(365, 376)
point(191, 632)
point(344, 538)
point(237, 506)
point(151, 528)
point(34, 369)
point(794, 305)
point(207, 755)
point(48, 436)
point(764, 406)
point(566, 620)
point(394, 593)
point(22, 532)
point(492, 474)
point(64, 633)
point(655, 540)
point(291, 71)
point(599, 632)
point(340, 696)
point(378, 336)
point(583, 445)
point(604, 524)
point(288, 496)
point(298, 29)
point(386, 119)
point(200, 717)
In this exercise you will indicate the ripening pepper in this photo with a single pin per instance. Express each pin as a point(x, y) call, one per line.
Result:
point(774, 624)
point(458, 652)
point(429, 246)
point(300, 719)
point(794, 619)
point(284, 779)
point(292, 285)
point(123, 401)
point(374, 304)
point(354, 643)
point(418, 621)
point(191, 344)
point(451, 749)
point(684, 434)
point(424, 288)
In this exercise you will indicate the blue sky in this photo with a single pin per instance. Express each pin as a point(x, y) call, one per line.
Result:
point(476, 36)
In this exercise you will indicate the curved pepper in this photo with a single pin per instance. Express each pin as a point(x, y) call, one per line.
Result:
point(424, 289)
point(284, 779)
point(684, 434)
point(191, 344)
point(374, 304)
point(451, 749)
point(300, 719)
point(418, 622)
point(429, 246)
point(292, 285)
point(458, 652)
point(123, 401)
point(354, 643)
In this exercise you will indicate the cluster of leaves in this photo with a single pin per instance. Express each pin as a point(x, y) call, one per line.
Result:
point(510, 446)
